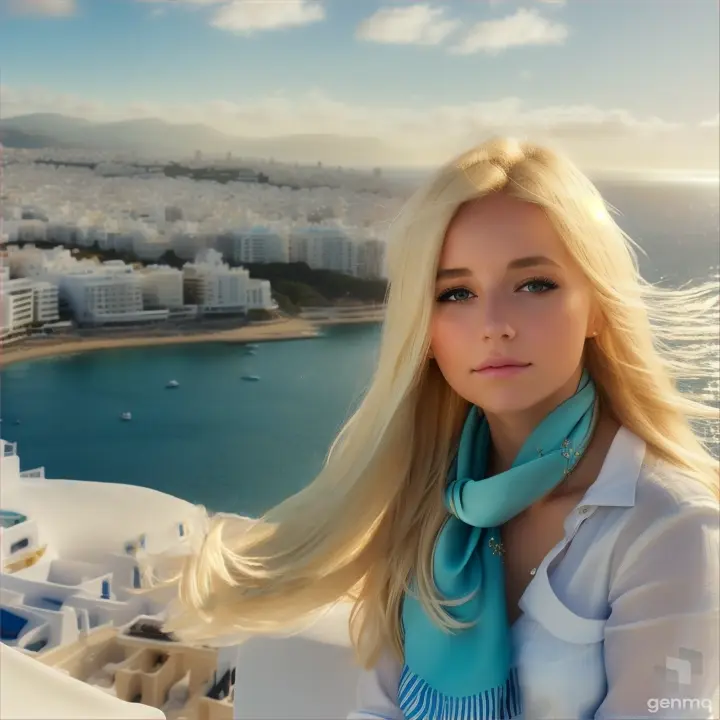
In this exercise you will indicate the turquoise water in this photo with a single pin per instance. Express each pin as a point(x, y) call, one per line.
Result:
point(218, 440)
point(239, 446)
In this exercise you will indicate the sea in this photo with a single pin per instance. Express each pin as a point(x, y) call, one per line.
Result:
point(238, 446)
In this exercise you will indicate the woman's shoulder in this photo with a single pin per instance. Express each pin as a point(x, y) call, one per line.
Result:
point(673, 511)
point(665, 491)
point(636, 485)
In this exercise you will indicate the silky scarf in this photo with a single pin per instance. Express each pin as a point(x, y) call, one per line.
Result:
point(475, 665)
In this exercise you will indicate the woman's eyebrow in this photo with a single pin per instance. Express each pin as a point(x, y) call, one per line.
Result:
point(522, 262)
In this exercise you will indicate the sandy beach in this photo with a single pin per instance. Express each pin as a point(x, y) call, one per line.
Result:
point(31, 349)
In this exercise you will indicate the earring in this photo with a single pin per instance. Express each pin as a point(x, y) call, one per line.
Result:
point(594, 333)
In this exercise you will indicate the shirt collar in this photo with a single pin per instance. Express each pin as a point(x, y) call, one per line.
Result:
point(616, 482)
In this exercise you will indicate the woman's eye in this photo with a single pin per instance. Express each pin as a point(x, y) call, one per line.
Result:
point(455, 295)
point(538, 285)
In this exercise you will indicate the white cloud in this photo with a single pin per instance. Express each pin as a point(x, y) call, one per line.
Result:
point(415, 25)
point(46, 8)
point(711, 123)
point(248, 16)
point(316, 112)
point(525, 27)
point(552, 2)
point(15, 101)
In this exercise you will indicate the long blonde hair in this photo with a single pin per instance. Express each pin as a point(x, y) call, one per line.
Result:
point(370, 518)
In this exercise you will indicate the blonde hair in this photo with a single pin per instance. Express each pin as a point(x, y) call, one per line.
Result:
point(370, 518)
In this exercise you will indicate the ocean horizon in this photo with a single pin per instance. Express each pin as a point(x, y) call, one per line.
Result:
point(238, 446)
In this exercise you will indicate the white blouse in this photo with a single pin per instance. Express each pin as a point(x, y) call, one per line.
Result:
point(621, 619)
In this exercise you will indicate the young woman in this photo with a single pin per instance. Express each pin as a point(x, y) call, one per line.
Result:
point(520, 509)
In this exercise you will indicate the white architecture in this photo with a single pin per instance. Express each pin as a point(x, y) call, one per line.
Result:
point(215, 287)
point(374, 260)
point(108, 297)
point(97, 294)
point(47, 303)
point(67, 613)
point(64, 573)
point(259, 245)
point(67, 570)
point(259, 295)
point(62, 696)
point(327, 247)
point(162, 287)
point(17, 305)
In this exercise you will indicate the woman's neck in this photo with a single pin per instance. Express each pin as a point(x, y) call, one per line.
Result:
point(509, 431)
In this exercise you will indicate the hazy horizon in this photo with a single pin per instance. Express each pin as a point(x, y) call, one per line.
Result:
point(622, 86)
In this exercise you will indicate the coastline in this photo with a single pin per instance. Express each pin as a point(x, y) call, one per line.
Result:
point(263, 331)
point(286, 329)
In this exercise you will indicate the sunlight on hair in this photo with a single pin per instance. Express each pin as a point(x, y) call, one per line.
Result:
point(599, 210)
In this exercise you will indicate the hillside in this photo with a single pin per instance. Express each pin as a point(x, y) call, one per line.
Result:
point(157, 137)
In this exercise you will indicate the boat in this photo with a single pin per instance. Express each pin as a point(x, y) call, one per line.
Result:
point(251, 378)
point(252, 346)
point(72, 626)
point(172, 384)
point(126, 416)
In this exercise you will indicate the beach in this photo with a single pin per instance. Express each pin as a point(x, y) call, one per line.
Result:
point(34, 348)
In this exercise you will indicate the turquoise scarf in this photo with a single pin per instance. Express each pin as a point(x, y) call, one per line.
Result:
point(474, 665)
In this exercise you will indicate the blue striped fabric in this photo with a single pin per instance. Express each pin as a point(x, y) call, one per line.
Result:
point(418, 701)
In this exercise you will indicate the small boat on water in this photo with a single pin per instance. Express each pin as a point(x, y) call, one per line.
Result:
point(172, 384)
point(252, 346)
point(126, 416)
point(251, 378)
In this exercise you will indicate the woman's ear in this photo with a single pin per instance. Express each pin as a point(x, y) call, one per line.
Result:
point(595, 323)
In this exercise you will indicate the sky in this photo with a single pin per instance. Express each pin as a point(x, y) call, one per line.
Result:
point(622, 84)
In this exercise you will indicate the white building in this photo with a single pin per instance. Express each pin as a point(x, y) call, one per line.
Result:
point(259, 245)
point(215, 287)
point(46, 302)
point(162, 287)
point(32, 231)
point(259, 295)
point(373, 260)
point(108, 297)
point(97, 294)
point(66, 571)
point(17, 305)
point(54, 590)
point(324, 248)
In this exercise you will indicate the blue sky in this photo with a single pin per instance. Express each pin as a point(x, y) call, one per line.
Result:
point(635, 77)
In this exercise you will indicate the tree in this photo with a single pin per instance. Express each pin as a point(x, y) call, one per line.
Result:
point(170, 258)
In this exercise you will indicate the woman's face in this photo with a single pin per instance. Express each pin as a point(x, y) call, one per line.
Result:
point(512, 311)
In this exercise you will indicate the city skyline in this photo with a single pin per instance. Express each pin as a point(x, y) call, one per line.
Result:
point(617, 85)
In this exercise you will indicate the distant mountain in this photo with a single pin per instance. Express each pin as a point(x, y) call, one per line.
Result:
point(10, 137)
point(49, 124)
point(156, 136)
